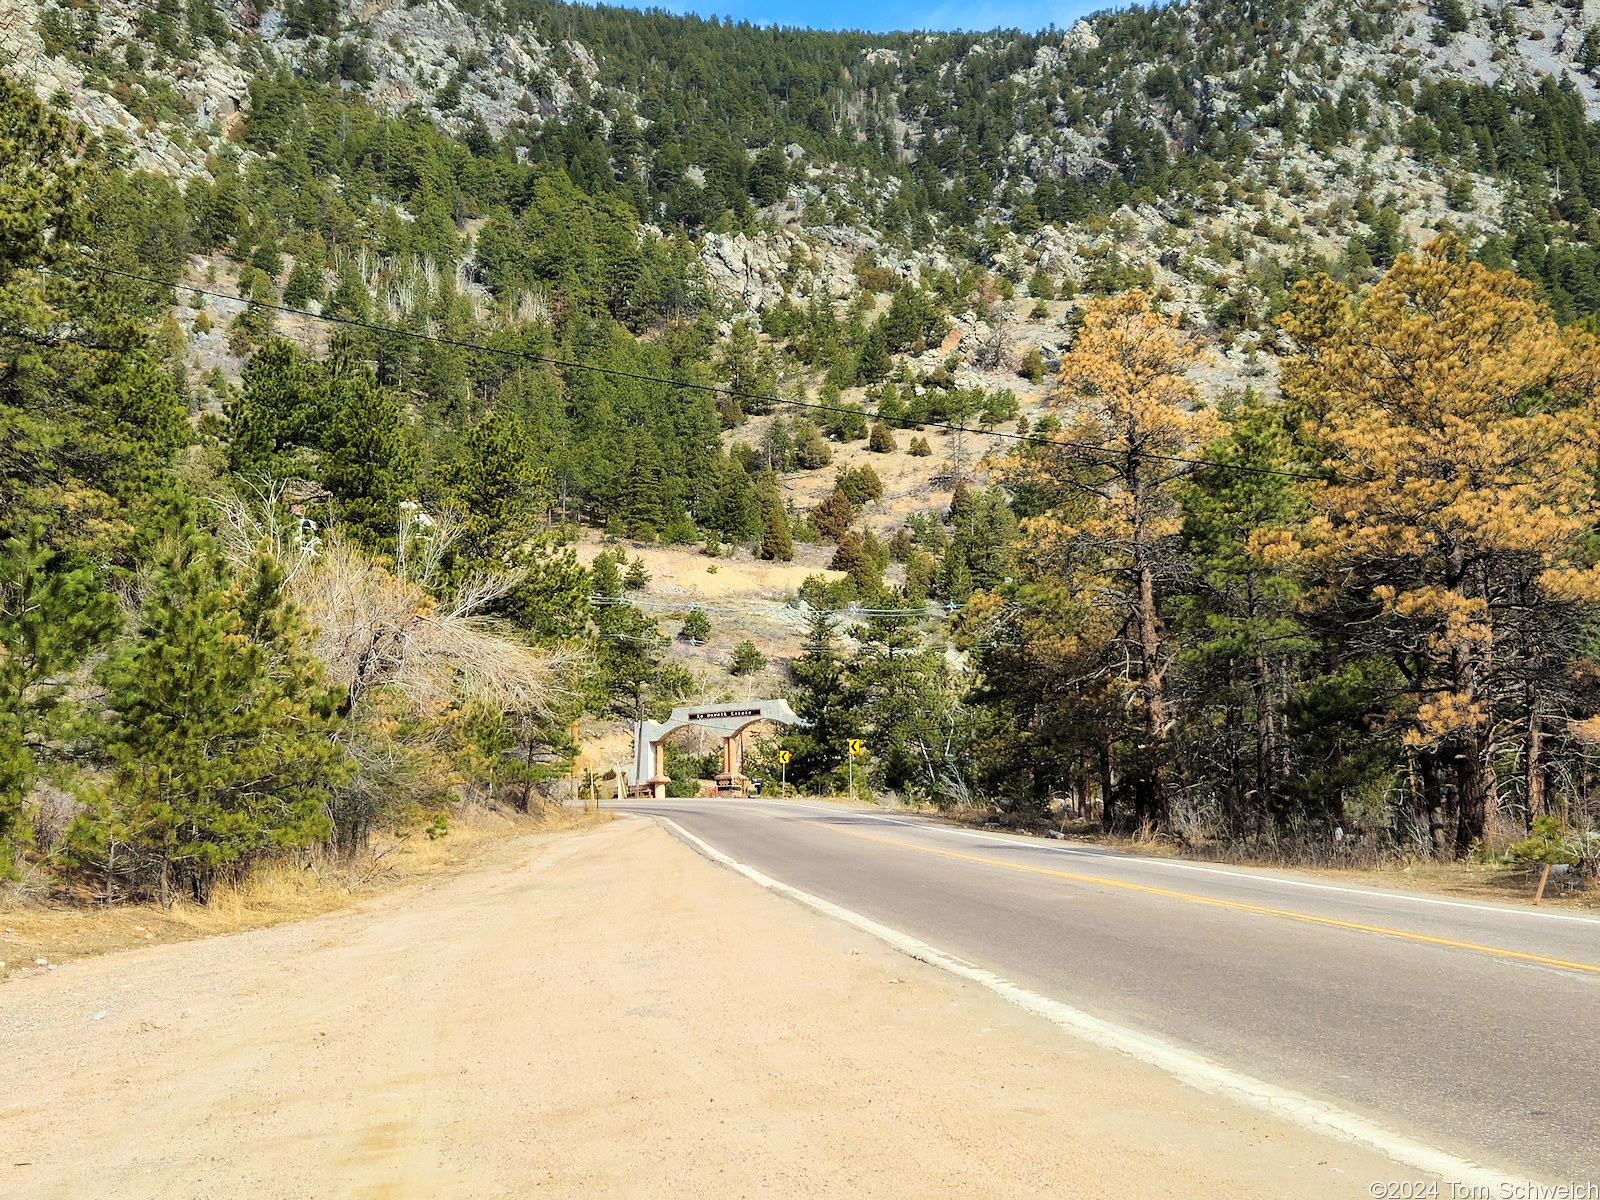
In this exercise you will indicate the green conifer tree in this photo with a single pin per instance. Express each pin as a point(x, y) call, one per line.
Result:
point(497, 487)
point(370, 460)
point(221, 732)
point(51, 616)
point(821, 699)
point(851, 558)
point(747, 660)
point(696, 626)
point(777, 545)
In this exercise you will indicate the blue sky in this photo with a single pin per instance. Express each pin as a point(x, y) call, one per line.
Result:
point(894, 14)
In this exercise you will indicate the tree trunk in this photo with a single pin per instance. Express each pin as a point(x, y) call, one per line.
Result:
point(1476, 794)
point(1108, 802)
point(1265, 734)
point(1085, 786)
point(1334, 804)
point(1153, 790)
point(1537, 804)
point(1432, 802)
point(1475, 788)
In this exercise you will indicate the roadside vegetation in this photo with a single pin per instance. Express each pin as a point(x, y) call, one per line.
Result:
point(325, 588)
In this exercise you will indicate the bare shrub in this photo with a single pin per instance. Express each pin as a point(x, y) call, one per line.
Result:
point(413, 655)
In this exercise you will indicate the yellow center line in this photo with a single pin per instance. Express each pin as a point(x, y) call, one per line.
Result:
point(1236, 905)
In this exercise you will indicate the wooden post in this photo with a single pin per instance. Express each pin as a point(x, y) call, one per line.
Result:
point(1544, 878)
point(577, 790)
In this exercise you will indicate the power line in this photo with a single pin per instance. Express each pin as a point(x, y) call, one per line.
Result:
point(851, 610)
point(1032, 439)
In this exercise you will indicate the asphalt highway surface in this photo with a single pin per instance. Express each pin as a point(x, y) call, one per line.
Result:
point(1474, 1028)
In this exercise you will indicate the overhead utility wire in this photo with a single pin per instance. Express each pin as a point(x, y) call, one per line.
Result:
point(715, 389)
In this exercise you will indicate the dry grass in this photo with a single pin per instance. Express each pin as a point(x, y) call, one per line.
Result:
point(1500, 882)
point(274, 893)
point(1477, 881)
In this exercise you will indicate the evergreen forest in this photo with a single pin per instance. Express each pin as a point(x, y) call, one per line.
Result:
point(1153, 463)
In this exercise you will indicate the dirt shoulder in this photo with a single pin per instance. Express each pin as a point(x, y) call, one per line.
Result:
point(38, 935)
point(592, 1014)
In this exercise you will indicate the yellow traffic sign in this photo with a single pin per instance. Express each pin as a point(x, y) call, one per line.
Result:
point(855, 745)
point(783, 757)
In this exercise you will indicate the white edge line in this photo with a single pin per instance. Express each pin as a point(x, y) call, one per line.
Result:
point(1088, 852)
point(1183, 1065)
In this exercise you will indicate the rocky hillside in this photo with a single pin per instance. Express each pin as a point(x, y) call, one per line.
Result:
point(1206, 149)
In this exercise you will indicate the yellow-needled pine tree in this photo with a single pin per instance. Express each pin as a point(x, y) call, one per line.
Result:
point(1456, 421)
point(1130, 432)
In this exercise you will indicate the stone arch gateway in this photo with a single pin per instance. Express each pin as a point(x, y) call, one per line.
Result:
point(729, 721)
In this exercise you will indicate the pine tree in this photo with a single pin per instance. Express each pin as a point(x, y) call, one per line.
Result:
point(732, 512)
point(88, 417)
point(822, 700)
point(552, 601)
point(882, 440)
point(280, 407)
point(1459, 422)
point(982, 548)
point(696, 626)
point(1452, 15)
point(628, 661)
point(860, 484)
point(831, 519)
point(644, 507)
point(747, 660)
point(1131, 419)
point(874, 364)
point(369, 459)
point(606, 573)
point(955, 577)
point(497, 487)
point(851, 558)
point(777, 545)
point(1031, 367)
point(51, 616)
point(304, 284)
point(221, 731)
point(1243, 641)
point(812, 452)
point(907, 696)
point(637, 578)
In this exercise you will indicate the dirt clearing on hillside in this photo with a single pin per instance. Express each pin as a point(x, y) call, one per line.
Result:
point(601, 1013)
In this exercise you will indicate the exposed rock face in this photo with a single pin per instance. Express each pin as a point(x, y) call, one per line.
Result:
point(212, 88)
point(747, 268)
point(416, 50)
point(1081, 37)
point(1197, 251)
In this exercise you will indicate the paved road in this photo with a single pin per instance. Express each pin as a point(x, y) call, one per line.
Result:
point(1474, 1028)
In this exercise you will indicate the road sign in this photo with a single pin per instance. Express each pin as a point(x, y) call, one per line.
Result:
point(855, 746)
point(783, 757)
